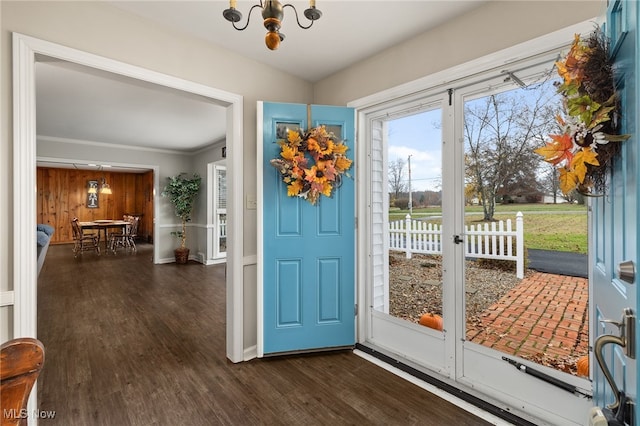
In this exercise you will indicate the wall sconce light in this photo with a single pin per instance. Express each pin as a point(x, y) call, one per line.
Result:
point(273, 13)
point(105, 188)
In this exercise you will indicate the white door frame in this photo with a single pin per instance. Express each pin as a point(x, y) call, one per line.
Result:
point(24, 295)
point(369, 106)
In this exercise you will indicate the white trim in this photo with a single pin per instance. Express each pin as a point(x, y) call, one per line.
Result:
point(24, 194)
point(260, 230)
point(7, 298)
point(235, 231)
point(25, 49)
point(539, 45)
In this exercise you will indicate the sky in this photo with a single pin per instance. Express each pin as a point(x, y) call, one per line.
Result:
point(418, 135)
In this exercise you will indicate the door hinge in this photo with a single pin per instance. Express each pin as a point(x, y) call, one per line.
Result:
point(355, 310)
point(450, 92)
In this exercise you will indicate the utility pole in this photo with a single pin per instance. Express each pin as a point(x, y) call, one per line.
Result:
point(410, 202)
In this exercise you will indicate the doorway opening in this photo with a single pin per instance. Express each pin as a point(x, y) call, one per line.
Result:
point(27, 50)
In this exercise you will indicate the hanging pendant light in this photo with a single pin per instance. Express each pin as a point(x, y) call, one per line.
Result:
point(273, 14)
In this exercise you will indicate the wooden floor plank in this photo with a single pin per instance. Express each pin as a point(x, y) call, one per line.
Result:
point(132, 343)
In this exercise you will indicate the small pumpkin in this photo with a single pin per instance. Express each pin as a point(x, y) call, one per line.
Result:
point(431, 320)
point(583, 365)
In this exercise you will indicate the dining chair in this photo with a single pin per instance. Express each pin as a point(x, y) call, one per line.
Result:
point(83, 242)
point(21, 361)
point(126, 238)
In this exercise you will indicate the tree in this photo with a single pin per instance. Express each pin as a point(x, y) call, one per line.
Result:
point(548, 178)
point(397, 183)
point(500, 132)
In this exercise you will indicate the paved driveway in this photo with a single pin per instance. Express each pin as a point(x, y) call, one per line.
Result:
point(558, 262)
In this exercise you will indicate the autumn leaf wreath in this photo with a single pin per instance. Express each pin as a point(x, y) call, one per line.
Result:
point(587, 142)
point(312, 163)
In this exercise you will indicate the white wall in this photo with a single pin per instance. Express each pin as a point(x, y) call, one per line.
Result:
point(487, 29)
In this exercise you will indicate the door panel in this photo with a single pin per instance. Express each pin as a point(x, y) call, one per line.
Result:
point(307, 251)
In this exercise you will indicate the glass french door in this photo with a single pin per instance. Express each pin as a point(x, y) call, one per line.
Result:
point(408, 312)
point(432, 158)
point(517, 329)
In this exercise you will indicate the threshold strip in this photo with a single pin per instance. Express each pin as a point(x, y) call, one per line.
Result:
point(455, 392)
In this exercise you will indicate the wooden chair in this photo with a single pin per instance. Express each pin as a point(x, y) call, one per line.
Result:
point(127, 238)
point(82, 241)
point(21, 361)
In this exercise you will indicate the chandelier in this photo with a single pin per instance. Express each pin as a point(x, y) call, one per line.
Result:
point(272, 13)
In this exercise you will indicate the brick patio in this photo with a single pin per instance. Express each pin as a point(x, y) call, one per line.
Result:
point(545, 317)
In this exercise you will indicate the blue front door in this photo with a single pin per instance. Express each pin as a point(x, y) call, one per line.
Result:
point(615, 217)
point(307, 251)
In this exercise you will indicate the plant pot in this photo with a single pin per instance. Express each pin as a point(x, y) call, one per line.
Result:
point(182, 255)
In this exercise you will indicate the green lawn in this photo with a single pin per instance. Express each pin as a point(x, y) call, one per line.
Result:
point(561, 227)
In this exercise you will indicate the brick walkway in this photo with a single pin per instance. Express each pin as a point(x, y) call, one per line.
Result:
point(544, 318)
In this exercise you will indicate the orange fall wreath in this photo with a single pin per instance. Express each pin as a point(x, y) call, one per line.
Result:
point(312, 164)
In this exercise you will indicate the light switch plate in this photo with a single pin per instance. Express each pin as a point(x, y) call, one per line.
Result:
point(251, 202)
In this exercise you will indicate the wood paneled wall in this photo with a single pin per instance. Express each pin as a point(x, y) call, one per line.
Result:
point(62, 195)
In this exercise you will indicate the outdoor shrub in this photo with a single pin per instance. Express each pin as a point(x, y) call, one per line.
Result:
point(402, 203)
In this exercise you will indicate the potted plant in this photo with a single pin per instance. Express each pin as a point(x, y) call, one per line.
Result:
point(182, 192)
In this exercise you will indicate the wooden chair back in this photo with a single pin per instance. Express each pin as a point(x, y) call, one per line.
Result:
point(75, 227)
point(133, 230)
point(21, 361)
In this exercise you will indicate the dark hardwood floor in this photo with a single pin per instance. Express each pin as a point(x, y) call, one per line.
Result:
point(132, 343)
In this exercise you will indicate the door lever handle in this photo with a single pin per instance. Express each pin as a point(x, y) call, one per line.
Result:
point(626, 340)
point(627, 329)
point(458, 239)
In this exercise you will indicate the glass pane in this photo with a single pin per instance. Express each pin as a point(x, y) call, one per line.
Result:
point(541, 317)
point(222, 188)
point(222, 237)
point(414, 153)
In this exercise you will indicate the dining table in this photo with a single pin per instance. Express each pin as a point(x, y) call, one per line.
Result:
point(103, 225)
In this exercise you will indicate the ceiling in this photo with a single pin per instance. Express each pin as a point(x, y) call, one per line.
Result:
point(79, 103)
point(352, 29)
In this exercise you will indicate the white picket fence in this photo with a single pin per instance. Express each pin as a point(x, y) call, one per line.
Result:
point(497, 240)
